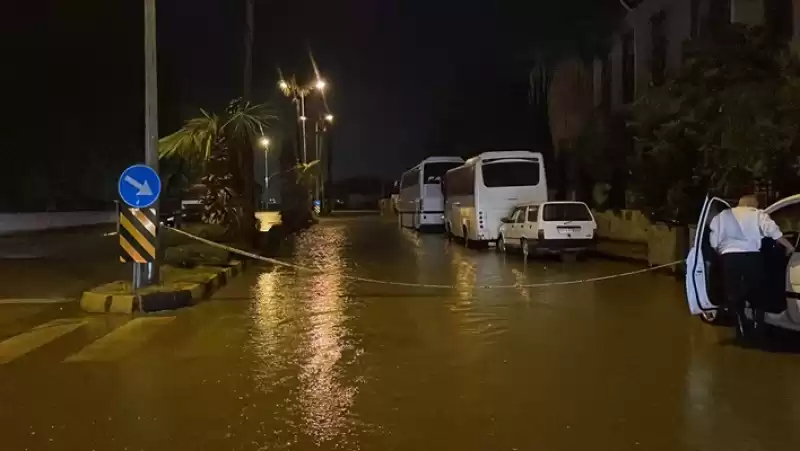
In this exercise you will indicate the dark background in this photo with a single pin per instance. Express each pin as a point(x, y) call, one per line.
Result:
point(407, 79)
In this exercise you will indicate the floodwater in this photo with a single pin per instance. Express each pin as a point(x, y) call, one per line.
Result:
point(296, 361)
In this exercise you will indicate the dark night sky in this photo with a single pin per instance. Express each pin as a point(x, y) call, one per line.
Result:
point(406, 76)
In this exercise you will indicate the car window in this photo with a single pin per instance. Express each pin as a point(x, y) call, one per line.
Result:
point(432, 173)
point(566, 212)
point(514, 215)
point(511, 173)
point(533, 214)
point(520, 215)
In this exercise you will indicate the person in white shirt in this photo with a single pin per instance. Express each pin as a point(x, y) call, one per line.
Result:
point(736, 235)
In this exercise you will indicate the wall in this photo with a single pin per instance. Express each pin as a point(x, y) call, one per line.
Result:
point(629, 234)
point(626, 225)
point(30, 222)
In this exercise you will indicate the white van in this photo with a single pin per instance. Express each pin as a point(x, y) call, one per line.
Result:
point(781, 289)
point(550, 227)
point(479, 194)
point(420, 202)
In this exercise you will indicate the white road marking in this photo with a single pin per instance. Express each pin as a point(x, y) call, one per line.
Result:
point(121, 341)
point(37, 337)
point(54, 300)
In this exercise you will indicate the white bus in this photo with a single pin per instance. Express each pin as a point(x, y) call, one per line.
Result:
point(421, 203)
point(484, 190)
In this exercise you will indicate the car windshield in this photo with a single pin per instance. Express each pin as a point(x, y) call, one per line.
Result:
point(433, 172)
point(566, 212)
point(511, 173)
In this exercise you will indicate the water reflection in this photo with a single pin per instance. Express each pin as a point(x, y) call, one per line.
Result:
point(326, 393)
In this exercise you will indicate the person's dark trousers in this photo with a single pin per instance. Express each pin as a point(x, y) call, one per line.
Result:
point(743, 274)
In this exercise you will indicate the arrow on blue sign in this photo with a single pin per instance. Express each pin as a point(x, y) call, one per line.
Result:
point(144, 188)
point(139, 186)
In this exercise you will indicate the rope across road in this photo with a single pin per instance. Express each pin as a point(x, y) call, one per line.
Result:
point(284, 264)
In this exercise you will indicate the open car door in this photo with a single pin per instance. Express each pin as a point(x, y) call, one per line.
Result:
point(784, 277)
point(703, 275)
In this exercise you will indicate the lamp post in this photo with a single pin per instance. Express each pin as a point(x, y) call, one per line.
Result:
point(264, 143)
point(298, 94)
point(321, 127)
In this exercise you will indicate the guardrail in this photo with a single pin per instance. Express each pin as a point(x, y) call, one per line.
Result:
point(11, 223)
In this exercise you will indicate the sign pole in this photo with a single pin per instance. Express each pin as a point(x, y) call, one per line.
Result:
point(149, 272)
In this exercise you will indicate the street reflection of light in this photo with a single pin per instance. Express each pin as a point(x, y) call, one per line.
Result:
point(412, 238)
point(326, 395)
point(268, 313)
point(520, 278)
point(465, 277)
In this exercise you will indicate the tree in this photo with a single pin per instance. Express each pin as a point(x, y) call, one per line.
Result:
point(729, 120)
point(220, 149)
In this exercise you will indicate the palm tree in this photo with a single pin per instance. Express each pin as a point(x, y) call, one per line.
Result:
point(220, 148)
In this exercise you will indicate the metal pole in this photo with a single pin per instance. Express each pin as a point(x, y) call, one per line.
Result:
point(248, 49)
point(317, 156)
point(266, 178)
point(303, 125)
point(148, 273)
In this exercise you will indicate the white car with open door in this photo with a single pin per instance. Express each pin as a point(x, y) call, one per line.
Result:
point(562, 227)
point(704, 288)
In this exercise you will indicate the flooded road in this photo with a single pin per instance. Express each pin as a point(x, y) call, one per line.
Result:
point(287, 360)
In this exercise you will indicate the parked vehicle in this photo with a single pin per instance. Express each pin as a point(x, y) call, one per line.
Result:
point(480, 193)
point(548, 228)
point(781, 289)
point(421, 202)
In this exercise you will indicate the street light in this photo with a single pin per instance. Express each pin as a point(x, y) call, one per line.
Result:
point(329, 118)
point(264, 143)
point(298, 95)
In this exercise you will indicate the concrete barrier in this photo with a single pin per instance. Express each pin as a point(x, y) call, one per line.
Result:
point(624, 225)
point(639, 239)
point(31, 222)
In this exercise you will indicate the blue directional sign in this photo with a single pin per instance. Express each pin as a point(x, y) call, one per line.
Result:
point(139, 186)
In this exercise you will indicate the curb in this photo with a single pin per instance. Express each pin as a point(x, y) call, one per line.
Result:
point(182, 293)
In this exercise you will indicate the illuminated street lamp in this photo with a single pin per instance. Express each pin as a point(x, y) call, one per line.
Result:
point(264, 143)
point(298, 94)
point(329, 118)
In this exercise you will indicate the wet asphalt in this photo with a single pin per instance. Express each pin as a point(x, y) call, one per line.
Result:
point(281, 360)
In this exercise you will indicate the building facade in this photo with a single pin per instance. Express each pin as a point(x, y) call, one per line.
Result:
point(648, 47)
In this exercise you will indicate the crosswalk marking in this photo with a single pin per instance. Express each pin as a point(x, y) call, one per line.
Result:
point(213, 338)
point(119, 342)
point(37, 337)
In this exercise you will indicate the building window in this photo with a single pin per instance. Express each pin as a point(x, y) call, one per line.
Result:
point(628, 68)
point(779, 18)
point(658, 58)
point(605, 80)
point(695, 19)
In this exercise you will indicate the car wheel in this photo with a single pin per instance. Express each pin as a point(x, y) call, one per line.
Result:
point(501, 244)
point(523, 245)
